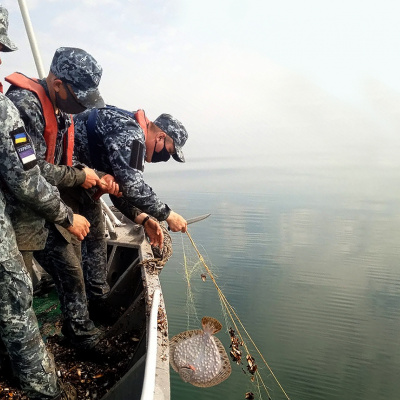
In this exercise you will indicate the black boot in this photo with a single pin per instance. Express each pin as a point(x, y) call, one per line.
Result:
point(44, 286)
point(101, 312)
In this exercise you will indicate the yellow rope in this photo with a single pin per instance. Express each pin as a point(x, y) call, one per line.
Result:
point(231, 311)
point(265, 387)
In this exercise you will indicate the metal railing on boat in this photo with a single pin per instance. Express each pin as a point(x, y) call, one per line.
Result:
point(151, 356)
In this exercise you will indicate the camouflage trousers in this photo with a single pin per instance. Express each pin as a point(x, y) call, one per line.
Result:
point(20, 333)
point(61, 259)
point(94, 247)
point(94, 265)
point(94, 252)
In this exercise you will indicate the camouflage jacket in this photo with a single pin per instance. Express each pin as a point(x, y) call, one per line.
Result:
point(120, 151)
point(61, 176)
point(30, 198)
point(31, 113)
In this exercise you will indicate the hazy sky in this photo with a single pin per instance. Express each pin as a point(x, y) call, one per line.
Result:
point(314, 80)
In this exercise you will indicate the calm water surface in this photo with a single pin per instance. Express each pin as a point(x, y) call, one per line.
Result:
point(311, 266)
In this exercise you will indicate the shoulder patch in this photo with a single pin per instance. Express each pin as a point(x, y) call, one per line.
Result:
point(137, 155)
point(24, 148)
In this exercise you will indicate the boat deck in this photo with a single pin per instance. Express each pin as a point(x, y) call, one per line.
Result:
point(133, 277)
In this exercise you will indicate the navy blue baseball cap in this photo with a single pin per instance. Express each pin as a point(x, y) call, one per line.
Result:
point(173, 128)
point(8, 45)
point(82, 72)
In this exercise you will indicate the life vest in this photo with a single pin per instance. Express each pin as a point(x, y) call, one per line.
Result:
point(142, 120)
point(91, 121)
point(50, 120)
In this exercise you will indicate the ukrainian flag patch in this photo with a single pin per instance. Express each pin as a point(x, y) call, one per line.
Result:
point(20, 138)
point(24, 148)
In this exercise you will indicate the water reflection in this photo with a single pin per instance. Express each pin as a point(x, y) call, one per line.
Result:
point(316, 281)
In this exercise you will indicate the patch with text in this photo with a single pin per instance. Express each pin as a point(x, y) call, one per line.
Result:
point(24, 148)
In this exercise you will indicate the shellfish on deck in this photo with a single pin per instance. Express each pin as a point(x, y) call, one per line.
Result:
point(199, 357)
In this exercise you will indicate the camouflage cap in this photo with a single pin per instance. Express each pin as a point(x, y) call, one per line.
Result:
point(8, 45)
point(81, 71)
point(173, 128)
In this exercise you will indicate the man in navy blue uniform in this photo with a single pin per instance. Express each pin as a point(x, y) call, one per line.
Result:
point(45, 106)
point(118, 143)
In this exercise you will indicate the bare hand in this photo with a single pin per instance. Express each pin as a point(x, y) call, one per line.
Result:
point(152, 229)
point(176, 222)
point(154, 233)
point(92, 179)
point(110, 185)
point(80, 227)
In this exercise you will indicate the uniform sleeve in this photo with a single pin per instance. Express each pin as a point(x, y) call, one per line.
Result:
point(124, 144)
point(128, 209)
point(20, 173)
point(31, 114)
point(62, 176)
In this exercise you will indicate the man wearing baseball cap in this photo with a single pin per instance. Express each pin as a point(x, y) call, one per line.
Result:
point(177, 132)
point(20, 174)
point(46, 106)
point(81, 74)
point(119, 142)
point(6, 44)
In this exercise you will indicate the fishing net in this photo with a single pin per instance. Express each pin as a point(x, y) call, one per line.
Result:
point(161, 256)
point(196, 283)
point(164, 254)
point(242, 346)
point(191, 357)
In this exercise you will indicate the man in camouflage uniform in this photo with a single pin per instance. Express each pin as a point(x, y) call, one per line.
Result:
point(119, 145)
point(70, 87)
point(20, 175)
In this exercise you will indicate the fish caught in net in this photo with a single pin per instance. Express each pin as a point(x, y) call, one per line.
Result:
point(199, 357)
